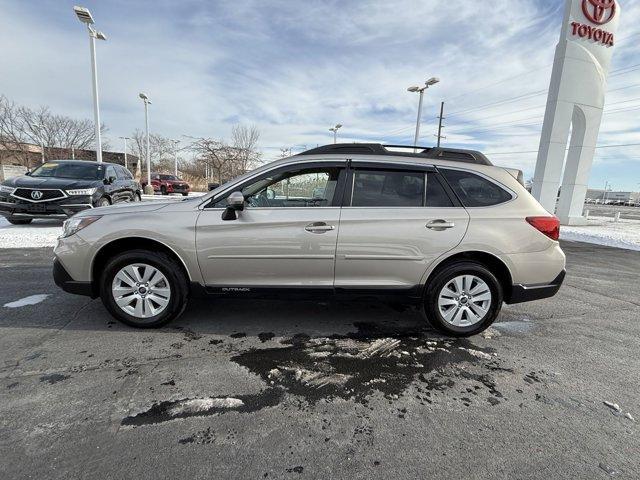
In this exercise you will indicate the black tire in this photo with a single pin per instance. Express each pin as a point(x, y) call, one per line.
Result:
point(167, 265)
point(137, 197)
point(19, 221)
point(446, 275)
point(103, 202)
point(184, 194)
point(163, 190)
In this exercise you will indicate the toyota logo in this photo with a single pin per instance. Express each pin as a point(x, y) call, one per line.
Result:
point(36, 194)
point(596, 10)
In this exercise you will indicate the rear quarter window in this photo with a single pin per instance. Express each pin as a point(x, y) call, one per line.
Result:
point(475, 190)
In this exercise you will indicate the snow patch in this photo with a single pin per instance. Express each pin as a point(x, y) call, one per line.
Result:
point(605, 231)
point(204, 404)
point(30, 300)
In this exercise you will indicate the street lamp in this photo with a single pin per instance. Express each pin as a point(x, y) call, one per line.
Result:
point(335, 131)
point(125, 150)
point(148, 189)
point(84, 15)
point(420, 90)
point(175, 155)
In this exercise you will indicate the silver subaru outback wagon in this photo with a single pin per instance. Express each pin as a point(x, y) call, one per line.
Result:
point(442, 228)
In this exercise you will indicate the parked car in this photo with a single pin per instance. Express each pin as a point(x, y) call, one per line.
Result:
point(441, 227)
point(166, 184)
point(61, 188)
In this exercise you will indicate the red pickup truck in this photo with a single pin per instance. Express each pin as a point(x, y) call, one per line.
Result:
point(166, 184)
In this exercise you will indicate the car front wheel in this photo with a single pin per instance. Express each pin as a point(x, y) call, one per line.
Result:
point(463, 299)
point(144, 289)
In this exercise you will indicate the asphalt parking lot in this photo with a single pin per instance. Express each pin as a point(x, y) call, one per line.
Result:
point(239, 389)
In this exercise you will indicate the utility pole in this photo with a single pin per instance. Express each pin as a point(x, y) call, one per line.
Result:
point(440, 118)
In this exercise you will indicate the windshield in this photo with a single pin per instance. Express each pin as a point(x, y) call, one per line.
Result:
point(168, 177)
point(79, 171)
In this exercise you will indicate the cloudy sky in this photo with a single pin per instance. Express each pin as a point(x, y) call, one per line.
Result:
point(294, 68)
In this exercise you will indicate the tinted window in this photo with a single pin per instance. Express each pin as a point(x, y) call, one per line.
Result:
point(373, 188)
point(474, 190)
point(168, 177)
point(315, 187)
point(436, 194)
point(122, 173)
point(111, 172)
point(88, 171)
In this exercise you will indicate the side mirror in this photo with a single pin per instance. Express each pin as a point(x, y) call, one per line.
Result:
point(235, 203)
point(109, 180)
point(28, 173)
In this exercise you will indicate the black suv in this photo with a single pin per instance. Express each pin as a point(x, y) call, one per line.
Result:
point(60, 188)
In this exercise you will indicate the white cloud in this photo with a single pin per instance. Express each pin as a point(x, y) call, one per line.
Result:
point(296, 68)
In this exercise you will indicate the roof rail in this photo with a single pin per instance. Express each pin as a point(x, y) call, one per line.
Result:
point(452, 154)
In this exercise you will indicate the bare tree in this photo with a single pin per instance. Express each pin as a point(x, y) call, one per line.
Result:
point(161, 151)
point(22, 126)
point(222, 160)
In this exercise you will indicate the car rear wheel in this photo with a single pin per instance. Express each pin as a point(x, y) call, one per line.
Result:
point(184, 194)
point(144, 289)
point(463, 299)
point(163, 190)
point(137, 197)
point(19, 221)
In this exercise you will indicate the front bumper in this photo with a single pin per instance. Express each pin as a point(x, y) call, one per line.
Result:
point(528, 293)
point(62, 208)
point(63, 280)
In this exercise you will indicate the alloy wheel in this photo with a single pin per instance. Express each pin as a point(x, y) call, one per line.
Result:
point(464, 300)
point(141, 290)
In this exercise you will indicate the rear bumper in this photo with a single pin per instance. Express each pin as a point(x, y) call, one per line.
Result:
point(63, 280)
point(527, 293)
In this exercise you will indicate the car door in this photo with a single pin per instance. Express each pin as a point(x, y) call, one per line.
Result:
point(123, 185)
point(111, 188)
point(396, 221)
point(285, 236)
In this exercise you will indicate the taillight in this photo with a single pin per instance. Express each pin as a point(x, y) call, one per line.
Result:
point(550, 226)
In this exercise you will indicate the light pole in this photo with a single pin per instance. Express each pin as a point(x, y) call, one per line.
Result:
point(175, 155)
point(335, 132)
point(148, 188)
point(125, 150)
point(420, 90)
point(84, 15)
point(604, 196)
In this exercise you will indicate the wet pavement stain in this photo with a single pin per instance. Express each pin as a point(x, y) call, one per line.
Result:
point(373, 359)
point(203, 407)
point(202, 437)
point(52, 378)
point(265, 336)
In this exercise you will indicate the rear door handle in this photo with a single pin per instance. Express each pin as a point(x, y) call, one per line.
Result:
point(440, 225)
point(319, 227)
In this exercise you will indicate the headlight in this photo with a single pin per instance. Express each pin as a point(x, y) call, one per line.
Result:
point(75, 224)
point(82, 191)
point(5, 189)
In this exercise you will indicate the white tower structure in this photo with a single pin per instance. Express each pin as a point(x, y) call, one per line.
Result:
point(575, 101)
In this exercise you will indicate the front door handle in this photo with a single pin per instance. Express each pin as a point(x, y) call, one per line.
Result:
point(319, 227)
point(440, 225)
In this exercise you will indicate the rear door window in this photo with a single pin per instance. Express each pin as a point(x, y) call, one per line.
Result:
point(379, 188)
point(475, 190)
point(437, 196)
